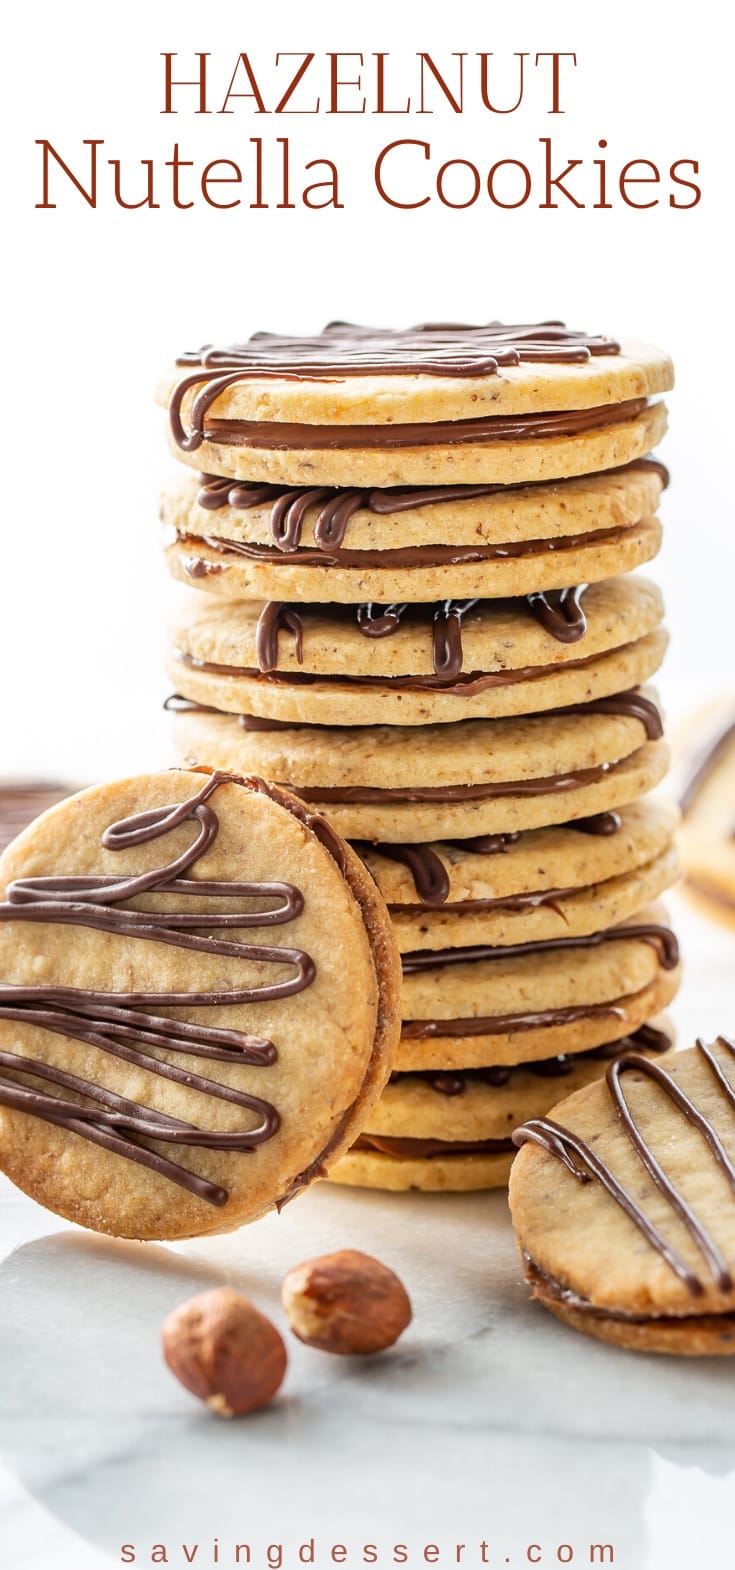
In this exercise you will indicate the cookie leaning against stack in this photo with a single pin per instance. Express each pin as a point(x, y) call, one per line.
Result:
point(409, 549)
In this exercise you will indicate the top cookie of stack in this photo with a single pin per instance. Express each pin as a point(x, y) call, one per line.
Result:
point(432, 525)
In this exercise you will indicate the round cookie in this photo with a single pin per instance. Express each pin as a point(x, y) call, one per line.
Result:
point(398, 783)
point(22, 801)
point(158, 1013)
point(351, 374)
point(365, 407)
point(271, 542)
point(410, 666)
point(623, 1203)
point(502, 884)
point(707, 836)
point(419, 1115)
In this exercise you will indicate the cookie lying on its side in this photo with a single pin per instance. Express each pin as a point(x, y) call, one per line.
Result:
point(199, 1003)
point(623, 1201)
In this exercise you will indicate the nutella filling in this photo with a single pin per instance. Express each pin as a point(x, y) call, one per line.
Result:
point(290, 436)
point(586, 1166)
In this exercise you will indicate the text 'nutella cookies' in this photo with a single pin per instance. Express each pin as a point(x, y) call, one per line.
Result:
point(198, 1003)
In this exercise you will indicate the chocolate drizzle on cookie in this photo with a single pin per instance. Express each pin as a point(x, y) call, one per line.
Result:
point(454, 1082)
point(396, 556)
point(345, 349)
point(133, 1025)
point(586, 1166)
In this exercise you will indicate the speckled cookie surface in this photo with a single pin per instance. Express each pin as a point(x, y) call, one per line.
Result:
point(589, 1258)
point(305, 665)
point(707, 836)
point(617, 761)
point(166, 1036)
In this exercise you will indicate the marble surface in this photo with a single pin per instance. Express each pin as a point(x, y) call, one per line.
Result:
point(489, 1424)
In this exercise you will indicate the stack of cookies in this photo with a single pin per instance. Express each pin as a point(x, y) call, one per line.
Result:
point(413, 552)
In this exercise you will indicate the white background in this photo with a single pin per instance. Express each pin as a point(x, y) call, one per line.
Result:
point(99, 302)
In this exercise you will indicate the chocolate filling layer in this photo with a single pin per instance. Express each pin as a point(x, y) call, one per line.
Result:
point(586, 1165)
point(290, 436)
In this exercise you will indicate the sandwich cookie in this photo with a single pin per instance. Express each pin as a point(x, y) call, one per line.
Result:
point(432, 782)
point(22, 801)
point(413, 665)
point(250, 541)
point(171, 949)
point(516, 888)
point(491, 1004)
point(369, 407)
point(708, 817)
point(623, 1202)
point(450, 1130)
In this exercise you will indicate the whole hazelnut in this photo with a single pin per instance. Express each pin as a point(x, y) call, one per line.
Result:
point(224, 1351)
point(346, 1302)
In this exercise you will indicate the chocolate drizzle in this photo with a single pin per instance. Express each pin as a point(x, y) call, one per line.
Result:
point(21, 803)
point(344, 349)
point(564, 620)
point(586, 1166)
point(454, 1082)
point(398, 556)
point(560, 613)
point(129, 1024)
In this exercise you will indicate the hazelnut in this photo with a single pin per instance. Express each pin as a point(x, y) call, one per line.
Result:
point(224, 1351)
point(346, 1302)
